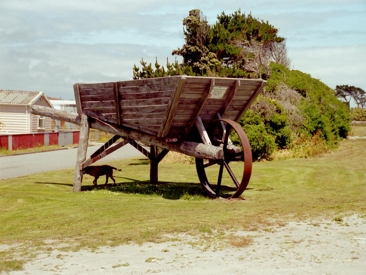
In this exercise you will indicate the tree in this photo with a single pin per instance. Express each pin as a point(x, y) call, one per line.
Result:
point(244, 43)
point(279, 53)
point(195, 51)
point(238, 45)
point(347, 93)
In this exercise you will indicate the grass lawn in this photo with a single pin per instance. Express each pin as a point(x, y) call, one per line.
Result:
point(359, 130)
point(40, 209)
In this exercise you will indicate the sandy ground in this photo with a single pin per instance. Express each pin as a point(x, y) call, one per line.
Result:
point(313, 247)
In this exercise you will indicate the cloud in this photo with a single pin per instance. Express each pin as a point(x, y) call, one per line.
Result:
point(332, 65)
point(54, 67)
point(50, 45)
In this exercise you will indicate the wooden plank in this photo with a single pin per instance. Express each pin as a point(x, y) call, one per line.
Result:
point(172, 107)
point(99, 104)
point(146, 95)
point(188, 102)
point(229, 98)
point(163, 81)
point(195, 96)
point(250, 101)
point(77, 99)
point(125, 90)
point(96, 86)
point(138, 121)
point(199, 107)
point(144, 102)
point(153, 109)
point(141, 128)
point(143, 116)
point(96, 97)
point(117, 104)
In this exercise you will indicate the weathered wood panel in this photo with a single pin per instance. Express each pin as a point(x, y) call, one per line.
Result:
point(168, 106)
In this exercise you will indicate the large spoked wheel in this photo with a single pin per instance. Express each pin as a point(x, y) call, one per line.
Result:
point(227, 177)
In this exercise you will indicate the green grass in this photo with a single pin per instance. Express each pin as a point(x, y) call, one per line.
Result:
point(359, 130)
point(37, 149)
point(40, 211)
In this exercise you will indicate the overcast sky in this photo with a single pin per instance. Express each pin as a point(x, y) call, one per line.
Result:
point(48, 45)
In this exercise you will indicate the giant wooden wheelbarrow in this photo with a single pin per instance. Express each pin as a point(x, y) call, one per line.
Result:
point(197, 116)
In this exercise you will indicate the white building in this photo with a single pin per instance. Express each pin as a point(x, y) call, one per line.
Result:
point(68, 106)
point(16, 116)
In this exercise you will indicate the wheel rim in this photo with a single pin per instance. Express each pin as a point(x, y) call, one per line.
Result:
point(234, 170)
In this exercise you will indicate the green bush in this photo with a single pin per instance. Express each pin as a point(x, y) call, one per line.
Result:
point(358, 114)
point(262, 143)
point(274, 119)
point(323, 113)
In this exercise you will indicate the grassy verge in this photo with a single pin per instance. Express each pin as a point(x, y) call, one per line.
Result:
point(40, 211)
point(359, 130)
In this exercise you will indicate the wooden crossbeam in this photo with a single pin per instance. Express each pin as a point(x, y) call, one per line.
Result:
point(249, 102)
point(118, 105)
point(139, 147)
point(171, 110)
point(105, 146)
point(229, 97)
point(77, 98)
point(103, 153)
point(202, 131)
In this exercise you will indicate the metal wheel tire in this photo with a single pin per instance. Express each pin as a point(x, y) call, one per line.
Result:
point(229, 177)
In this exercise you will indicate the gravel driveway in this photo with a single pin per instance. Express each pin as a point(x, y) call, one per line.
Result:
point(313, 247)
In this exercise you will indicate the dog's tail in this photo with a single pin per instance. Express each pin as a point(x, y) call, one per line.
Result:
point(116, 169)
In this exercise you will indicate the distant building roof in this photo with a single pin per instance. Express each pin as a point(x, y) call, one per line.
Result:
point(24, 98)
point(62, 102)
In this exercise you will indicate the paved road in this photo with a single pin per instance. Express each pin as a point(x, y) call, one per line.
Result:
point(22, 165)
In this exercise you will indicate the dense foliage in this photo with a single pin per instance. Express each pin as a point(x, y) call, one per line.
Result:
point(293, 109)
point(323, 113)
point(358, 114)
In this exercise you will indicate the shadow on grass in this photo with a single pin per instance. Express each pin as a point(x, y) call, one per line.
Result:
point(167, 190)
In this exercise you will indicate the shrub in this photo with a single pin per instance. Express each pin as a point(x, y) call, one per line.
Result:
point(358, 114)
point(321, 111)
point(275, 120)
point(262, 143)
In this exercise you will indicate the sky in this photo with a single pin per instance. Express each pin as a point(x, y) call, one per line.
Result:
point(48, 45)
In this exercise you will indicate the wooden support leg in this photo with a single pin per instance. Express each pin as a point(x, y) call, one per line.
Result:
point(82, 150)
point(153, 164)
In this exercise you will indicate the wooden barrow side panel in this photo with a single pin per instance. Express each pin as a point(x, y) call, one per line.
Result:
point(167, 107)
point(98, 100)
point(247, 92)
point(219, 99)
point(192, 97)
point(143, 103)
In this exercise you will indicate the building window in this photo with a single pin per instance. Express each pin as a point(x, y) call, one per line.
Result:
point(41, 122)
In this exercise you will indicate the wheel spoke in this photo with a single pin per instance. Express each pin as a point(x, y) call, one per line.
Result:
point(210, 163)
point(218, 186)
point(232, 175)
